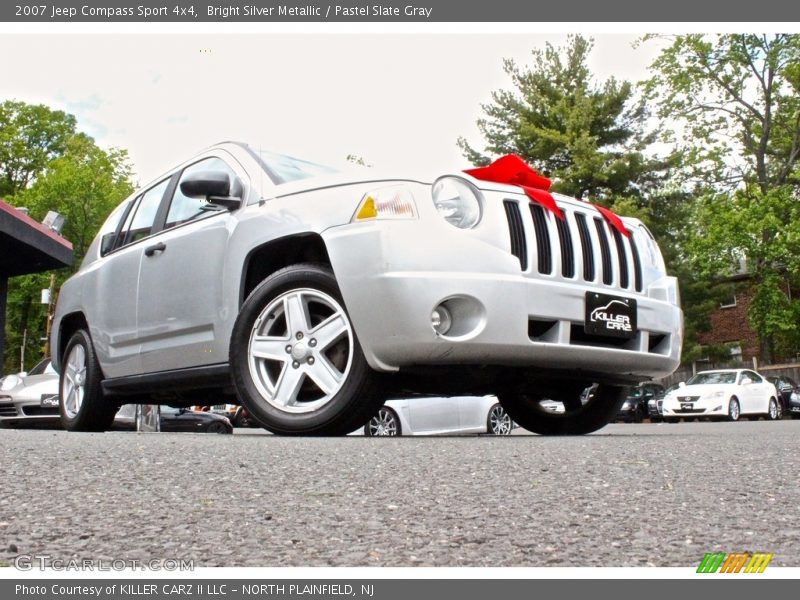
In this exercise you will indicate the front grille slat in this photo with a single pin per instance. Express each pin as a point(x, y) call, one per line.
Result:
point(516, 231)
point(543, 251)
point(565, 241)
point(586, 247)
point(605, 251)
point(622, 258)
point(637, 263)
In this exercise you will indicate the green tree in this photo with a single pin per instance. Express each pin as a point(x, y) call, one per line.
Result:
point(735, 103)
point(588, 137)
point(84, 184)
point(30, 137)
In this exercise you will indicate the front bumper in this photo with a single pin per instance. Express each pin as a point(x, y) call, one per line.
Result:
point(16, 410)
point(392, 275)
point(700, 408)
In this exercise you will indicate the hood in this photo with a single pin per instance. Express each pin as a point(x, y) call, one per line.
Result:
point(702, 390)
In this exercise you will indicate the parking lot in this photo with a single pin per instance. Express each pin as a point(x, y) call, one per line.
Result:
point(630, 495)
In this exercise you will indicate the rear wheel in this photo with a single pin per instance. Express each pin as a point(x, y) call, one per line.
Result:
point(577, 419)
point(385, 424)
point(81, 403)
point(296, 362)
point(498, 422)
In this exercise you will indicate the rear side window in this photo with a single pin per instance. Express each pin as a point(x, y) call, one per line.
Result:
point(141, 218)
point(108, 232)
point(183, 209)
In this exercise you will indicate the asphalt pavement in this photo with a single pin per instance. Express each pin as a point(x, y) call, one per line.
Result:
point(630, 495)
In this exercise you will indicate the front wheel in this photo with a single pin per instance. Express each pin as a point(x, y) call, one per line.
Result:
point(81, 403)
point(498, 422)
point(733, 410)
point(774, 411)
point(296, 362)
point(577, 419)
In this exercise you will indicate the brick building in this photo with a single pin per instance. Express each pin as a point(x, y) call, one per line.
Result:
point(730, 328)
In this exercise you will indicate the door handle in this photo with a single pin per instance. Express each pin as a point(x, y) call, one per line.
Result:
point(151, 250)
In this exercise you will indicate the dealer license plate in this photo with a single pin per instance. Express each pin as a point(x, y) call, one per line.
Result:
point(610, 316)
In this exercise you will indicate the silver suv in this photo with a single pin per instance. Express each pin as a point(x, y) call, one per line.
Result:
point(313, 295)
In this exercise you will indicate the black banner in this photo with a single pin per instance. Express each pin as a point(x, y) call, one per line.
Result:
point(496, 11)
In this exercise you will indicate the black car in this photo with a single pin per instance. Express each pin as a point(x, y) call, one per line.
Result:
point(180, 420)
point(789, 394)
point(635, 409)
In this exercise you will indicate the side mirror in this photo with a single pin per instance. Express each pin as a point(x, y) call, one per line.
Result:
point(107, 243)
point(746, 381)
point(23, 373)
point(682, 384)
point(215, 186)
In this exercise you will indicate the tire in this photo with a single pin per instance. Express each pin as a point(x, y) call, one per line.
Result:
point(384, 424)
point(217, 427)
point(81, 403)
point(734, 411)
point(498, 422)
point(524, 408)
point(774, 412)
point(289, 381)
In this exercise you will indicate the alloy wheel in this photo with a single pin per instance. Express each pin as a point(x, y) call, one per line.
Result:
point(300, 350)
point(383, 424)
point(499, 421)
point(74, 383)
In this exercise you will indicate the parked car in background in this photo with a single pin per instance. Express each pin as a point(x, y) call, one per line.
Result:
point(32, 397)
point(655, 404)
point(236, 413)
point(788, 394)
point(176, 420)
point(723, 394)
point(432, 416)
point(635, 407)
point(317, 294)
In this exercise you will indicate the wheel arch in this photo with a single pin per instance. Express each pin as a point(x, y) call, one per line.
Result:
point(69, 324)
point(263, 260)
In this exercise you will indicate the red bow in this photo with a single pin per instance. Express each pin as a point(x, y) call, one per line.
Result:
point(511, 169)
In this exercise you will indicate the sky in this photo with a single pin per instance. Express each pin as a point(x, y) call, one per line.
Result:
point(400, 101)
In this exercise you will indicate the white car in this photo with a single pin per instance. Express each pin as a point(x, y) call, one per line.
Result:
point(435, 416)
point(726, 393)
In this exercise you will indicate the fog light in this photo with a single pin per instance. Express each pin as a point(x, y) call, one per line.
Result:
point(441, 320)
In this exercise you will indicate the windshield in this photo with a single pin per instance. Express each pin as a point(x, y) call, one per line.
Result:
point(712, 378)
point(43, 367)
point(282, 168)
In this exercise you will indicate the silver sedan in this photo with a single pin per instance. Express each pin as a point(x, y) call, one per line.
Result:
point(31, 397)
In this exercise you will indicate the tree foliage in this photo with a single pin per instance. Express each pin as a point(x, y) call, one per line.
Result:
point(588, 137)
point(30, 137)
point(81, 181)
point(736, 100)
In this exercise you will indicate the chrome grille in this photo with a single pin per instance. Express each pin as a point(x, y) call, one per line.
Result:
point(7, 409)
point(580, 246)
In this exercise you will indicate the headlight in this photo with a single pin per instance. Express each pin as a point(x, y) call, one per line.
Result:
point(457, 201)
point(794, 397)
point(9, 382)
point(717, 394)
point(391, 202)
